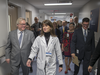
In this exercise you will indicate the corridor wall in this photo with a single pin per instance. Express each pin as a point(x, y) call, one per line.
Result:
point(3, 25)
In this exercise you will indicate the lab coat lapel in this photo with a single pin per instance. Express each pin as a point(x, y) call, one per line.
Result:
point(43, 40)
point(50, 41)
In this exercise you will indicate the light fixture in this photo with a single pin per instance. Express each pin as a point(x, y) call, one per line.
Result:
point(58, 13)
point(52, 4)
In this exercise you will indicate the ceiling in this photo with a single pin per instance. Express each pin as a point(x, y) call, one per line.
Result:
point(75, 7)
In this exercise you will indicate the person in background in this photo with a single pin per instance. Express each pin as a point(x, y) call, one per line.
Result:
point(57, 31)
point(66, 23)
point(29, 28)
point(36, 27)
point(82, 46)
point(71, 21)
point(77, 25)
point(66, 46)
point(95, 57)
point(59, 23)
point(47, 46)
point(18, 47)
point(63, 29)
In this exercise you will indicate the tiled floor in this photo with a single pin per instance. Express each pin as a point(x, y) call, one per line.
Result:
point(62, 73)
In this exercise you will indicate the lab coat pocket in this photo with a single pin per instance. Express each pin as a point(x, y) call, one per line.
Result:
point(40, 65)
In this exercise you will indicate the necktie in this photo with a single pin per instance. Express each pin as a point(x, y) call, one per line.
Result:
point(20, 38)
point(63, 29)
point(85, 35)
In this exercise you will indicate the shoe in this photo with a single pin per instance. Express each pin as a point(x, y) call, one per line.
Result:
point(74, 74)
point(66, 72)
point(69, 69)
point(31, 70)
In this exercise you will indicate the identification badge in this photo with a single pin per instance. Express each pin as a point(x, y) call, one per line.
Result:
point(48, 54)
point(77, 51)
point(67, 35)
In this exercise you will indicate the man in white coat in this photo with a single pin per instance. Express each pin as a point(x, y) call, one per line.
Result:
point(47, 46)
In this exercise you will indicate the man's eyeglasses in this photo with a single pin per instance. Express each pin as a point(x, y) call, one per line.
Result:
point(85, 24)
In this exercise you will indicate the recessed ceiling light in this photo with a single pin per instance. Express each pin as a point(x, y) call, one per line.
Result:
point(51, 4)
point(58, 13)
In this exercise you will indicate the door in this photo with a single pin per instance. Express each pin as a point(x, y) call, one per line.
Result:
point(13, 16)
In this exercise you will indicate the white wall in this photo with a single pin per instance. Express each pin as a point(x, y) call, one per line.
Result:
point(3, 25)
point(42, 17)
point(4, 28)
point(23, 5)
point(85, 12)
point(46, 17)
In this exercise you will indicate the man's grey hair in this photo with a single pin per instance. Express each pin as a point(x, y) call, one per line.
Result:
point(19, 20)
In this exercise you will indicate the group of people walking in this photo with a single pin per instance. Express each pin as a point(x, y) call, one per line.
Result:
point(48, 41)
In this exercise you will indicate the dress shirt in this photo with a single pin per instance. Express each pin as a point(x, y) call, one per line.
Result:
point(84, 31)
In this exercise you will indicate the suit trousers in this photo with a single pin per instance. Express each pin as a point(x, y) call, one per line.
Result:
point(86, 61)
point(15, 69)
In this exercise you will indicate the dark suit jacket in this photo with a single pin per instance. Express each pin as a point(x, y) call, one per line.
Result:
point(58, 33)
point(78, 43)
point(78, 26)
point(61, 30)
point(95, 57)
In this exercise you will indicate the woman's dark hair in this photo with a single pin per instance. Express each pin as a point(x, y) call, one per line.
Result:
point(72, 23)
point(27, 24)
point(56, 24)
point(85, 20)
point(52, 31)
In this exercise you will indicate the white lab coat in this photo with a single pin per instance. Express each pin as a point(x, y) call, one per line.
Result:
point(46, 65)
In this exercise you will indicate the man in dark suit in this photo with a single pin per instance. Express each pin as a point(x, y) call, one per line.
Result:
point(77, 25)
point(18, 47)
point(95, 57)
point(63, 29)
point(82, 45)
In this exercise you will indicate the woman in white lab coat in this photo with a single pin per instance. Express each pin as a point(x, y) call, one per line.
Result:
point(48, 47)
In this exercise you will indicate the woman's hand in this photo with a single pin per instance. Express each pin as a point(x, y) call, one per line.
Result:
point(60, 69)
point(28, 63)
point(62, 49)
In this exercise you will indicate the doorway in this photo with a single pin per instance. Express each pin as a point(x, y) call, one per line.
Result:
point(12, 16)
point(29, 17)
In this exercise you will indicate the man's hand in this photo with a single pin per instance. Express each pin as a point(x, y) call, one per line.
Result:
point(39, 29)
point(28, 63)
point(60, 69)
point(89, 68)
point(73, 55)
point(8, 61)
